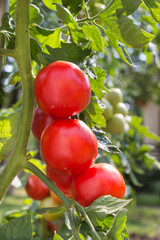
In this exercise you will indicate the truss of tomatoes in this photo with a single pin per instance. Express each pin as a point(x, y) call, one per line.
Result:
point(68, 146)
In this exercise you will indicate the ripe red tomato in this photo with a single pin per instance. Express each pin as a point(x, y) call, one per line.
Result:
point(99, 180)
point(35, 188)
point(62, 89)
point(62, 181)
point(39, 122)
point(68, 146)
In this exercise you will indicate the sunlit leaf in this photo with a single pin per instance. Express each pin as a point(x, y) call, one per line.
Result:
point(154, 7)
point(119, 225)
point(8, 133)
point(132, 34)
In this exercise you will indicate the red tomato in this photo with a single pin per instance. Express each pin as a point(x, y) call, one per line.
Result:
point(39, 122)
point(68, 146)
point(62, 89)
point(99, 180)
point(62, 181)
point(35, 188)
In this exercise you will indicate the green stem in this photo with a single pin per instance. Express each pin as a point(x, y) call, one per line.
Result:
point(18, 155)
point(84, 214)
point(8, 52)
point(68, 203)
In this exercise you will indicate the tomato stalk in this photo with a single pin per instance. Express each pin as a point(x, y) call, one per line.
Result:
point(22, 55)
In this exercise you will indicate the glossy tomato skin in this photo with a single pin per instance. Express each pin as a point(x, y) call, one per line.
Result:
point(68, 146)
point(62, 181)
point(39, 122)
point(62, 89)
point(99, 180)
point(36, 189)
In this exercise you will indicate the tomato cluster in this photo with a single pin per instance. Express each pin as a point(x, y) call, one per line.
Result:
point(68, 146)
point(115, 111)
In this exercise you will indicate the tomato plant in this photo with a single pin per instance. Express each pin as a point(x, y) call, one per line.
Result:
point(99, 180)
point(78, 142)
point(40, 122)
point(35, 188)
point(66, 92)
point(55, 51)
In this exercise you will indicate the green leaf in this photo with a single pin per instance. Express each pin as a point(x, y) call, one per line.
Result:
point(73, 5)
point(119, 48)
point(130, 6)
point(133, 35)
point(67, 18)
point(50, 4)
point(17, 229)
point(68, 52)
point(12, 8)
point(97, 81)
point(119, 225)
point(136, 123)
point(57, 237)
point(15, 78)
point(54, 210)
point(35, 15)
point(154, 7)
point(104, 206)
point(46, 36)
point(8, 133)
point(94, 35)
point(36, 48)
point(93, 113)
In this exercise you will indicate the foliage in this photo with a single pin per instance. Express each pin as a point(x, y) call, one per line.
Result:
point(67, 30)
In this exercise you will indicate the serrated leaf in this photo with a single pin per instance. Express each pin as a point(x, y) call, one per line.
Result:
point(35, 15)
point(93, 113)
point(97, 81)
point(133, 35)
point(50, 4)
point(130, 6)
point(17, 229)
point(104, 142)
point(94, 35)
point(119, 48)
point(68, 52)
point(46, 36)
point(104, 206)
point(57, 237)
point(67, 18)
point(119, 225)
point(136, 123)
point(154, 7)
point(8, 132)
point(15, 78)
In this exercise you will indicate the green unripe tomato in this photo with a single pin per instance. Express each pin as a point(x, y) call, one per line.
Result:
point(108, 110)
point(114, 96)
point(49, 202)
point(121, 108)
point(116, 124)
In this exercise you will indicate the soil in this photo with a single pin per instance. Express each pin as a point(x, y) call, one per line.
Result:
point(135, 237)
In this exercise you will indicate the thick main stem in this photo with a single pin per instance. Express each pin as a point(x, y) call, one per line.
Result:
point(22, 50)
